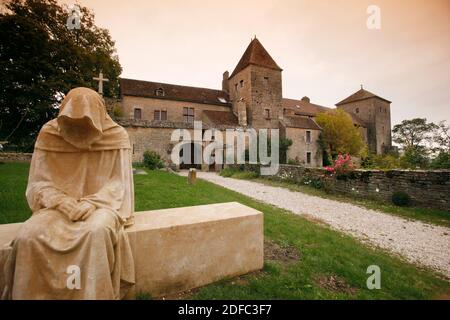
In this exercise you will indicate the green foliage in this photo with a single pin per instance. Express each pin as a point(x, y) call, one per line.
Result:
point(339, 135)
point(441, 161)
point(327, 159)
point(401, 199)
point(414, 157)
point(152, 160)
point(143, 296)
point(378, 161)
point(227, 172)
point(284, 147)
point(238, 173)
point(441, 137)
point(293, 162)
point(414, 133)
point(311, 181)
point(41, 60)
point(117, 111)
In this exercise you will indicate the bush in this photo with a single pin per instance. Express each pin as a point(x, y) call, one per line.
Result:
point(314, 182)
point(343, 165)
point(400, 198)
point(442, 161)
point(238, 173)
point(152, 160)
point(294, 162)
point(414, 158)
point(228, 172)
point(245, 175)
point(388, 161)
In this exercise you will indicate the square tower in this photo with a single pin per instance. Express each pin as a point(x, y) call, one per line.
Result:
point(256, 84)
point(375, 111)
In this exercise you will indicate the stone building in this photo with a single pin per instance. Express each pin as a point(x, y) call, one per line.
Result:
point(251, 97)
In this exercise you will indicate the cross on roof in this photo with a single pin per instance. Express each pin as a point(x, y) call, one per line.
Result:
point(100, 80)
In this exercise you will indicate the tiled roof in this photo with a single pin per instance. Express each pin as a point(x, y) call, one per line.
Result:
point(148, 89)
point(303, 107)
point(255, 54)
point(220, 119)
point(359, 95)
point(300, 122)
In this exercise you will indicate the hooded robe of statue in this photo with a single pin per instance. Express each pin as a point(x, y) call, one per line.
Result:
point(82, 155)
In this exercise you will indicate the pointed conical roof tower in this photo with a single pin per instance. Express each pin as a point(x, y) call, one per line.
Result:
point(257, 55)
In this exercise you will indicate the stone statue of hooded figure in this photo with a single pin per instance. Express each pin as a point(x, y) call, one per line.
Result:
point(80, 190)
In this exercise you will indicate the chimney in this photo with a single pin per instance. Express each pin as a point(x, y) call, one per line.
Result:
point(306, 99)
point(225, 86)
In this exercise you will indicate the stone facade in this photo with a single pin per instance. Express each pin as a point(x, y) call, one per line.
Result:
point(376, 113)
point(260, 89)
point(302, 145)
point(174, 109)
point(251, 97)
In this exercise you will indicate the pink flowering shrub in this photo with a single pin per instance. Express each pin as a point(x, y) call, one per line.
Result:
point(341, 166)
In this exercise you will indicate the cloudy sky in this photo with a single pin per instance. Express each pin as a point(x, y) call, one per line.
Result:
point(324, 47)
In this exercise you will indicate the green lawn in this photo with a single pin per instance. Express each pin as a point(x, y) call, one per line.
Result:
point(433, 216)
point(325, 255)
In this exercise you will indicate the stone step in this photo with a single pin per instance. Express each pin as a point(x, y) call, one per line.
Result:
point(183, 248)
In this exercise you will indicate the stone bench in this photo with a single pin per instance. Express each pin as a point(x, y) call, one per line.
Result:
point(184, 248)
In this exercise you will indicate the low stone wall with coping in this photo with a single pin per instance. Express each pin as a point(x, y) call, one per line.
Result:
point(15, 157)
point(427, 188)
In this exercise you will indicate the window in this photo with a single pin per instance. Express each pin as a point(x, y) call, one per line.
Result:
point(160, 115)
point(308, 157)
point(159, 92)
point(241, 83)
point(380, 109)
point(267, 113)
point(137, 113)
point(236, 87)
point(357, 110)
point(308, 136)
point(188, 114)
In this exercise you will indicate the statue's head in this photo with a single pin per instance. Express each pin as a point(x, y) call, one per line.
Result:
point(81, 117)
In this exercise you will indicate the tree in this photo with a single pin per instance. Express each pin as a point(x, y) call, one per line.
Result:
point(285, 144)
point(414, 157)
point(339, 135)
point(441, 161)
point(441, 137)
point(413, 133)
point(41, 59)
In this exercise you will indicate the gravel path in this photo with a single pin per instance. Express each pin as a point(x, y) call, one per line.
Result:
point(418, 242)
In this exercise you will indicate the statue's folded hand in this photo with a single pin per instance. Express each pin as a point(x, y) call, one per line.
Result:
point(67, 206)
point(82, 211)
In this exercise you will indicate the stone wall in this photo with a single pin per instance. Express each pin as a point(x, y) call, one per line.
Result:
point(15, 157)
point(261, 90)
point(377, 114)
point(426, 188)
point(297, 151)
